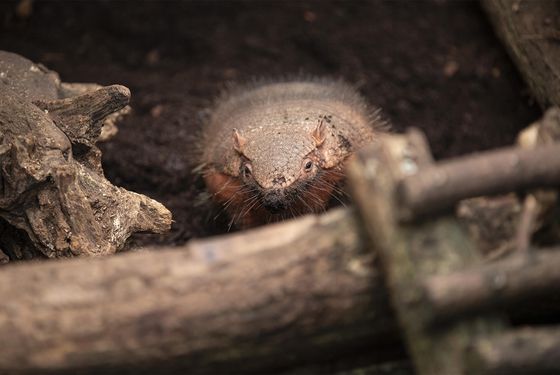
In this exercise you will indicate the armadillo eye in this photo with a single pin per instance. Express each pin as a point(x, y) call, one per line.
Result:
point(246, 170)
point(308, 165)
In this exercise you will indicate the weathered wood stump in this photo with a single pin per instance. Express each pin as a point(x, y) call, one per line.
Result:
point(54, 199)
point(529, 30)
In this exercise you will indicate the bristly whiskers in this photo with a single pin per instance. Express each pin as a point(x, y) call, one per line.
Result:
point(303, 197)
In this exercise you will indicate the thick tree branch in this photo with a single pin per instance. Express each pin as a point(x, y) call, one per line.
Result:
point(288, 294)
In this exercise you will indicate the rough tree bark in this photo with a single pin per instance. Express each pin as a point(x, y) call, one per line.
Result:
point(239, 303)
point(529, 29)
point(54, 199)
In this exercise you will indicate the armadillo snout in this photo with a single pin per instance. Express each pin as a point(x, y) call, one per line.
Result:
point(275, 201)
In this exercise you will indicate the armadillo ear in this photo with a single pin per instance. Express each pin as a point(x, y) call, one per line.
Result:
point(318, 133)
point(239, 141)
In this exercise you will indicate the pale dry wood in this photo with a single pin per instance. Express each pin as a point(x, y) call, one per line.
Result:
point(526, 224)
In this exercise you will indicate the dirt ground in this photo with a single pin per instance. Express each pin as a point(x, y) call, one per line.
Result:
point(434, 65)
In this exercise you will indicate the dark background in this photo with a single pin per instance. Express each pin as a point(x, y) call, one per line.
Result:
point(435, 65)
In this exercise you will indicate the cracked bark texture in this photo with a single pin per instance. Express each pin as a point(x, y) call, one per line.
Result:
point(529, 30)
point(54, 199)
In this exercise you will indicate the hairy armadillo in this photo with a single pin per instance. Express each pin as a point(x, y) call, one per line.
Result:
point(277, 150)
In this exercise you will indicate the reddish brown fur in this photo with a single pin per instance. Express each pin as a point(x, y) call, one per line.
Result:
point(224, 188)
point(228, 191)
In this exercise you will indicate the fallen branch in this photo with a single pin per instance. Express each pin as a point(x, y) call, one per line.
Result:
point(516, 280)
point(441, 186)
point(294, 293)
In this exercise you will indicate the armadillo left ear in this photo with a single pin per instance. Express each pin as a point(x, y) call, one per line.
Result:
point(239, 141)
point(318, 133)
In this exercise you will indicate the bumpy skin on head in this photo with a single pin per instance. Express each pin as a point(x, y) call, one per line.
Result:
point(277, 150)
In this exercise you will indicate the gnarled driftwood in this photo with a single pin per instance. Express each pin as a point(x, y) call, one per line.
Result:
point(54, 199)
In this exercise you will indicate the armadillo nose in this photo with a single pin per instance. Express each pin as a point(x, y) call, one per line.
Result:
point(274, 202)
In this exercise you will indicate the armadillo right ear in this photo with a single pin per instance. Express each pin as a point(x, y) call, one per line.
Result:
point(239, 141)
point(318, 133)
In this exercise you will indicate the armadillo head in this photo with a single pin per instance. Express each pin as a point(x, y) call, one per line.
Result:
point(278, 162)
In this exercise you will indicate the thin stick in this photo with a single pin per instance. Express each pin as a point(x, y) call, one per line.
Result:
point(441, 186)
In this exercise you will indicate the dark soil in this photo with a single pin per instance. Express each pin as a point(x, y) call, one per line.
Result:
point(434, 65)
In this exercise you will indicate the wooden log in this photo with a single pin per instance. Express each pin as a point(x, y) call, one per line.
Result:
point(529, 29)
point(518, 352)
point(298, 292)
point(409, 253)
point(441, 186)
point(517, 280)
